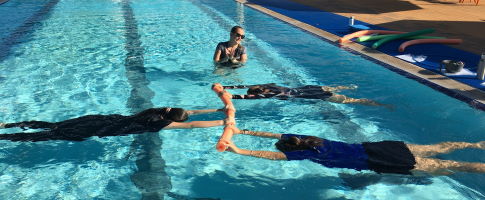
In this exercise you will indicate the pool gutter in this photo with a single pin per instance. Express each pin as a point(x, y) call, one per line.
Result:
point(473, 96)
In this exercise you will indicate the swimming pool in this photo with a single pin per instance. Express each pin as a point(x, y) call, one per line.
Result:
point(64, 59)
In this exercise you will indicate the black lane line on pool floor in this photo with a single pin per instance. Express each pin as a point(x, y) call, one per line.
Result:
point(150, 177)
point(26, 28)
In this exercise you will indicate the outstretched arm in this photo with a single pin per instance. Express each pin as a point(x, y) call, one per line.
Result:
point(271, 155)
point(252, 96)
point(260, 134)
point(237, 86)
point(194, 124)
point(196, 112)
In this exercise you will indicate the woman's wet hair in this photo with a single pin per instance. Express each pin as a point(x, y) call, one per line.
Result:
point(294, 143)
point(234, 29)
point(255, 90)
point(177, 115)
point(153, 114)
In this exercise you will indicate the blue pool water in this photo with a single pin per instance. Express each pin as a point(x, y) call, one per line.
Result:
point(64, 59)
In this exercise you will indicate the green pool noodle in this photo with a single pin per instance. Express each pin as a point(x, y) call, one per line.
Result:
point(398, 36)
point(378, 37)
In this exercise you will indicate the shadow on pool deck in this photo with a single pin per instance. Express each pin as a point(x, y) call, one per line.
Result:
point(439, 2)
point(430, 15)
point(346, 6)
point(450, 18)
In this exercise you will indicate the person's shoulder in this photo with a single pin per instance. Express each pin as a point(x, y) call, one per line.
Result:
point(158, 110)
point(222, 44)
point(275, 87)
point(288, 135)
point(150, 110)
point(242, 48)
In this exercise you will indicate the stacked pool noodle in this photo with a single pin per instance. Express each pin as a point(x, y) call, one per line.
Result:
point(416, 38)
point(230, 116)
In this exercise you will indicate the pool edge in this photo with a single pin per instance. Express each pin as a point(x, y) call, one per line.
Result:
point(472, 96)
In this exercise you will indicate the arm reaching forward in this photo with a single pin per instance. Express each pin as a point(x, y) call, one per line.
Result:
point(194, 124)
point(260, 134)
point(237, 86)
point(196, 112)
point(253, 96)
point(271, 155)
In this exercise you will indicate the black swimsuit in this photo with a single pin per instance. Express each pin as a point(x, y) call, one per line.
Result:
point(284, 93)
point(78, 129)
point(222, 46)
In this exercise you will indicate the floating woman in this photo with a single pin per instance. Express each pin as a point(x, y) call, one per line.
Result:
point(78, 129)
point(326, 93)
point(382, 157)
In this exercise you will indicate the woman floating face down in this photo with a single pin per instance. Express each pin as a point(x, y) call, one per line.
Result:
point(382, 157)
point(78, 129)
point(326, 93)
point(231, 52)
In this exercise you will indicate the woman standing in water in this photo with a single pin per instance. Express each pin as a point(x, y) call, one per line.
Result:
point(231, 52)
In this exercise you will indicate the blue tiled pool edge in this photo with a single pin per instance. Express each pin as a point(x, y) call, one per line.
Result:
point(338, 26)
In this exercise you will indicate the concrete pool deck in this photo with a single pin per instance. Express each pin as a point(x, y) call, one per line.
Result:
point(469, 94)
point(450, 18)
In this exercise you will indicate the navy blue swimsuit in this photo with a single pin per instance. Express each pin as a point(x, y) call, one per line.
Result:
point(382, 157)
point(332, 154)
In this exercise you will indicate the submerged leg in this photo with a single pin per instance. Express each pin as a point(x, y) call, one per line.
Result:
point(39, 136)
point(340, 87)
point(30, 124)
point(338, 98)
point(444, 147)
point(446, 167)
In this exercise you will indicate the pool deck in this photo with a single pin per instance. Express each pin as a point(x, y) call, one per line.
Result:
point(450, 18)
point(319, 17)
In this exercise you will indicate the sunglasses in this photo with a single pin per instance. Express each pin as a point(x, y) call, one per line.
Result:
point(239, 35)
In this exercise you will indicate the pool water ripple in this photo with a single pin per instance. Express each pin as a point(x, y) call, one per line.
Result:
point(72, 63)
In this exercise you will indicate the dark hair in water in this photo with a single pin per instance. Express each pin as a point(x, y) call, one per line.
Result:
point(234, 29)
point(255, 90)
point(153, 114)
point(177, 115)
point(294, 143)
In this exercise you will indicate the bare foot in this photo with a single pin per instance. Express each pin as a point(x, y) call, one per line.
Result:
point(2, 125)
point(353, 87)
point(481, 145)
